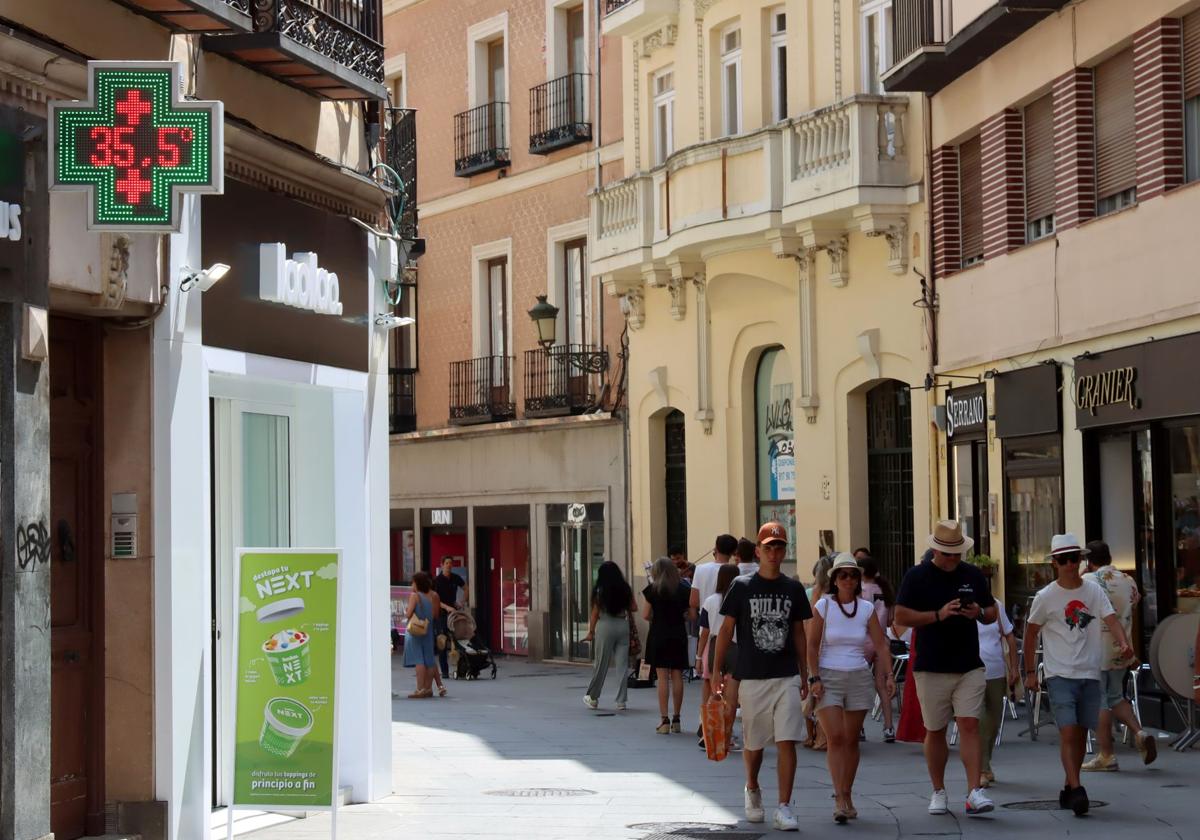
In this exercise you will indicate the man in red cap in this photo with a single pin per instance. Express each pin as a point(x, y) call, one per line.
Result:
point(768, 610)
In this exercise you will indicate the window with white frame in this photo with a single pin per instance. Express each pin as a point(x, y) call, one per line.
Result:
point(876, 42)
point(778, 31)
point(664, 114)
point(577, 308)
point(731, 79)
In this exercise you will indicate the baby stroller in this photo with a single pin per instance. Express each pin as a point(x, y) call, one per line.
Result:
point(474, 657)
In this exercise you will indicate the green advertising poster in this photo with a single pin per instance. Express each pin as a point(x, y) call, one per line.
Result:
point(286, 677)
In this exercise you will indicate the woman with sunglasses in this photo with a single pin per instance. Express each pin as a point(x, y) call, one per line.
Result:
point(842, 683)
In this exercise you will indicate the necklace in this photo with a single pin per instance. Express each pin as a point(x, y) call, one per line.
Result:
point(850, 614)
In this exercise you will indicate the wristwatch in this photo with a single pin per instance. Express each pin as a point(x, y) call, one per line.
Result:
point(814, 679)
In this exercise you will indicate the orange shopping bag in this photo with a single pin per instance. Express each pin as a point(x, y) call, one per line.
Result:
point(713, 717)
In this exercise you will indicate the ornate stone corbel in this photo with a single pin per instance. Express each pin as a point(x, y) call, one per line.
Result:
point(633, 307)
point(115, 280)
point(702, 7)
point(656, 40)
point(838, 250)
point(897, 240)
point(677, 286)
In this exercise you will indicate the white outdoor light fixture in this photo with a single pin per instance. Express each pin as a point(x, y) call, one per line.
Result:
point(390, 322)
point(202, 281)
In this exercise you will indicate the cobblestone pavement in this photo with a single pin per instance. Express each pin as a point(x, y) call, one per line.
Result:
point(460, 760)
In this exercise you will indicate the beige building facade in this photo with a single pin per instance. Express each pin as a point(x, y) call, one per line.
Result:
point(1063, 149)
point(767, 247)
point(508, 456)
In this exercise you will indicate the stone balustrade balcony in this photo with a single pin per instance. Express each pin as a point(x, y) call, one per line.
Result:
point(807, 179)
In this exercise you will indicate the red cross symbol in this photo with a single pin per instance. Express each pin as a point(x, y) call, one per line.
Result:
point(132, 186)
point(133, 106)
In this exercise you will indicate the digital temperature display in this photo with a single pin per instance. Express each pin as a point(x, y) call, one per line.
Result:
point(135, 146)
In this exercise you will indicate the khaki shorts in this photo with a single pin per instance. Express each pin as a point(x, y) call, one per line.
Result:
point(770, 711)
point(943, 696)
point(851, 691)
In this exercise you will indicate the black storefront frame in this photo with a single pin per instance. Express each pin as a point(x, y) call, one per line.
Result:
point(1163, 540)
point(1010, 470)
point(966, 426)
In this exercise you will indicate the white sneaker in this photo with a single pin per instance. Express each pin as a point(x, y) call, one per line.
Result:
point(590, 702)
point(978, 803)
point(784, 819)
point(938, 803)
point(620, 707)
point(754, 808)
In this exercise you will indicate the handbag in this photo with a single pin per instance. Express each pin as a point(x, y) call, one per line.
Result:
point(714, 723)
point(417, 626)
point(635, 640)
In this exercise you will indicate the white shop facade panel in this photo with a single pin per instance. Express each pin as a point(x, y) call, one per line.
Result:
point(270, 432)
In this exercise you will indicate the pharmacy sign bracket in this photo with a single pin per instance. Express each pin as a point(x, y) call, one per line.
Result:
point(136, 146)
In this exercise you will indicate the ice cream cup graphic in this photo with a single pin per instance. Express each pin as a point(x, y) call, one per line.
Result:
point(287, 654)
point(285, 723)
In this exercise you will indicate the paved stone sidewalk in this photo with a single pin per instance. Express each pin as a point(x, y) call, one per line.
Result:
point(454, 757)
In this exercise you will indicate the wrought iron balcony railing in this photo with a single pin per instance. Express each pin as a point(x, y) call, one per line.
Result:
point(401, 155)
point(566, 379)
point(558, 113)
point(481, 390)
point(917, 24)
point(611, 6)
point(329, 48)
point(402, 401)
point(481, 139)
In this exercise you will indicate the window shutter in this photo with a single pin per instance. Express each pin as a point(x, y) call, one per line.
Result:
point(1039, 158)
point(1191, 55)
point(970, 163)
point(1116, 154)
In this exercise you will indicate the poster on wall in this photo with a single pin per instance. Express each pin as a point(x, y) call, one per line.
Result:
point(284, 751)
point(775, 444)
point(776, 455)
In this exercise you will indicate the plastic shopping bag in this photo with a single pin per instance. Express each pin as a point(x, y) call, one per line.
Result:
point(714, 721)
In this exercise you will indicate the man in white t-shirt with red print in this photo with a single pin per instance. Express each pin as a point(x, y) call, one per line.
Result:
point(1067, 614)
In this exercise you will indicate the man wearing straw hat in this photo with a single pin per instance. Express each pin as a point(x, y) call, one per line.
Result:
point(1067, 614)
point(941, 599)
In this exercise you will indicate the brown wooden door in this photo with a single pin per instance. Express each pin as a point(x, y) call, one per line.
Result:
point(76, 707)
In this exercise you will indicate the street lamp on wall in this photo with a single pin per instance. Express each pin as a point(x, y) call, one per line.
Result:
point(545, 317)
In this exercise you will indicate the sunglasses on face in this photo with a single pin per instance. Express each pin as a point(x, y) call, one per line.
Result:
point(1064, 559)
point(848, 575)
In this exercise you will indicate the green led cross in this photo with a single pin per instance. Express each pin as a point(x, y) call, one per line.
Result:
point(135, 147)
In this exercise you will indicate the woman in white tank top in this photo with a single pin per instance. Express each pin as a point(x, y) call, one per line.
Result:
point(842, 683)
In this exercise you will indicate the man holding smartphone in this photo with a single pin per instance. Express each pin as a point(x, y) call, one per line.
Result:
point(941, 599)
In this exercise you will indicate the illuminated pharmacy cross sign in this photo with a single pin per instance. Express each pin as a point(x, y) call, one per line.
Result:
point(135, 146)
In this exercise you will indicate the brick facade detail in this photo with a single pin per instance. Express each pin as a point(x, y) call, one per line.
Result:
point(947, 206)
point(1003, 144)
point(1074, 148)
point(1158, 107)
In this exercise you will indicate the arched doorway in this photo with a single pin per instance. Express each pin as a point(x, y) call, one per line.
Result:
point(675, 461)
point(889, 477)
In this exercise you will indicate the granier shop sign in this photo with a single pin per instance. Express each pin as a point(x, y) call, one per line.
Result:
point(1117, 386)
point(966, 411)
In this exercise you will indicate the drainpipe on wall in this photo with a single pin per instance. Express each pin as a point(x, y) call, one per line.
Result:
point(935, 482)
point(597, 138)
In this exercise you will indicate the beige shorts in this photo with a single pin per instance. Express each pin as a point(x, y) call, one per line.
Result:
point(852, 691)
point(943, 696)
point(770, 711)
